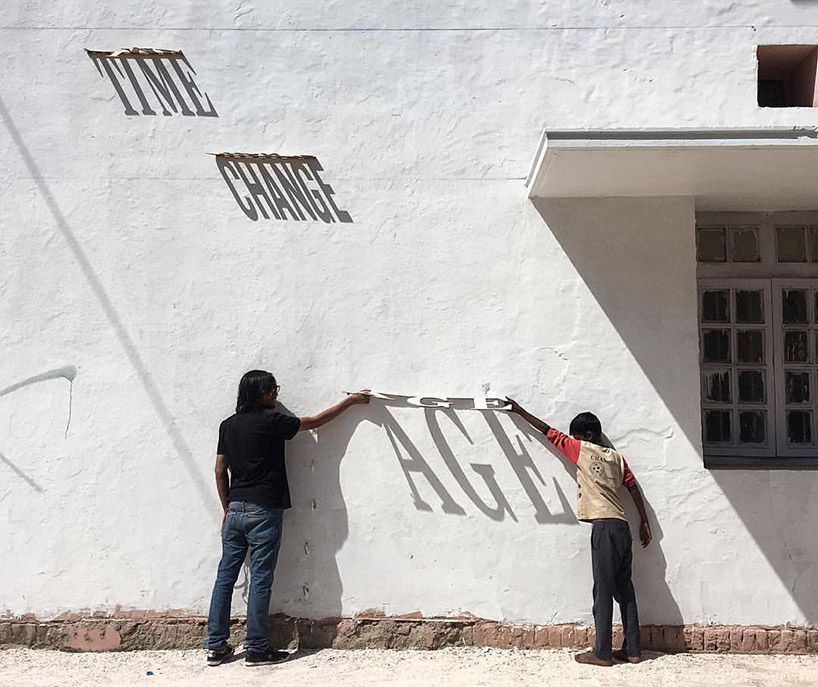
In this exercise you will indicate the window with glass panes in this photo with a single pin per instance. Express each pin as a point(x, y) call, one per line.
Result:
point(758, 336)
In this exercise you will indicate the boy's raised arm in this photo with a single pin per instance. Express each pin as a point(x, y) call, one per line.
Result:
point(533, 420)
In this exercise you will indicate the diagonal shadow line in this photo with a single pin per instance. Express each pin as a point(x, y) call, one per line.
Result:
point(22, 474)
point(136, 361)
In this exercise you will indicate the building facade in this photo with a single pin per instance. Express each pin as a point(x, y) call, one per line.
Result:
point(580, 205)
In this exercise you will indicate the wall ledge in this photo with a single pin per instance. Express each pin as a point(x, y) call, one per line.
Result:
point(152, 630)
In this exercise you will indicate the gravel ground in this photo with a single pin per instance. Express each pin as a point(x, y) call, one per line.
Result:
point(450, 667)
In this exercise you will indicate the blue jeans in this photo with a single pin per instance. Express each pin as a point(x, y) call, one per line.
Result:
point(247, 525)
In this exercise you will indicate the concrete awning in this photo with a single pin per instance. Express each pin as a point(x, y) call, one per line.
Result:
point(770, 168)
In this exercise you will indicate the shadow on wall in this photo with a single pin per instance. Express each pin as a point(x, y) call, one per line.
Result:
point(657, 602)
point(637, 257)
point(415, 465)
point(151, 83)
point(76, 250)
point(308, 582)
point(278, 187)
point(779, 508)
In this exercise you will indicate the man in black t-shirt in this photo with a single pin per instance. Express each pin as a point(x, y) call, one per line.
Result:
point(254, 495)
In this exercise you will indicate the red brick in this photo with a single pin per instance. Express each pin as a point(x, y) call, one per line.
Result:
point(694, 637)
point(723, 639)
point(799, 643)
point(644, 633)
point(736, 634)
point(748, 640)
point(711, 639)
point(555, 637)
point(785, 643)
point(478, 632)
point(527, 638)
point(592, 638)
point(503, 637)
point(579, 637)
point(100, 638)
point(541, 639)
point(657, 637)
point(675, 641)
point(774, 640)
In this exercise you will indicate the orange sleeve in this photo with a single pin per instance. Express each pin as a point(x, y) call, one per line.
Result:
point(566, 445)
point(627, 476)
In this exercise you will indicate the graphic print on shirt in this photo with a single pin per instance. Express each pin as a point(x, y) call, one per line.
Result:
point(601, 471)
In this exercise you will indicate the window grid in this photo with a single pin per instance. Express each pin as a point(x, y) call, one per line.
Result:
point(796, 331)
point(776, 252)
point(735, 367)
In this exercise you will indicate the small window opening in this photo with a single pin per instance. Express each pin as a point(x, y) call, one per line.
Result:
point(787, 75)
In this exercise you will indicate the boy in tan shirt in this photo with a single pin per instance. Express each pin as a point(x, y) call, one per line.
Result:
point(601, 471)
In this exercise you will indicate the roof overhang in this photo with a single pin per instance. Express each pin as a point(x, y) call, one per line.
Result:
point(771, 168)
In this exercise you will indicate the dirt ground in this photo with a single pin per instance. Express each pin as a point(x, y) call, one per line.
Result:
point(450, 667)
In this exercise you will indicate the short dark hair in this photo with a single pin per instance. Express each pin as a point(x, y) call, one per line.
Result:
point(584, 423)
point(252, 387)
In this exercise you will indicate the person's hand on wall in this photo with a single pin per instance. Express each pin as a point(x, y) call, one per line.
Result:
point(360, 397)
point(515, 407)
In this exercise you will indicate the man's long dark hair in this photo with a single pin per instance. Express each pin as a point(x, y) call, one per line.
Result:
point(252, 387)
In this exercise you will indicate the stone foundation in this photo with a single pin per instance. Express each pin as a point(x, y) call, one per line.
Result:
point(132, 630)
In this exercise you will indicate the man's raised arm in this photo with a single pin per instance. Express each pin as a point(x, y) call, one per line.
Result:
point(315, 421)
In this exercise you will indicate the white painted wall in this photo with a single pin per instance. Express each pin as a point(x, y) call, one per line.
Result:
point(123, 254)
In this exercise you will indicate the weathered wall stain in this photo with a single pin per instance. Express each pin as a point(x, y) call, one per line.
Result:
point(68, 372)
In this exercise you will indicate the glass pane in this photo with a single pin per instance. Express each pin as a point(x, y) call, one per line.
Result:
point(717, 387)
point(751, 386)
point(711, 245)
point(799, 427)
point(717, 426)
point(792, 245)
point(796, 347)
point(795, 306)
point(749, 306)
point(815, 311)
point(716, 306)
point(751, 427)
point(813, 242)
point(797, 387)
point(744, 245)
point(716, 345)
point(750, 346)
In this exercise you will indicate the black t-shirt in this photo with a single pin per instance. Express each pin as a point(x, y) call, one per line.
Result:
point(254, 445)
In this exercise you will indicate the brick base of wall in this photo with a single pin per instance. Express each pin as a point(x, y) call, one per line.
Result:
point(132, 630)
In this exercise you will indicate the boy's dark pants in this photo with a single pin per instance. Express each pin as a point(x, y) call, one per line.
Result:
point(611, 557)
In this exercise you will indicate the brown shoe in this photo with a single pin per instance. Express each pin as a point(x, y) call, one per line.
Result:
point(620, 655)
point(590, 658)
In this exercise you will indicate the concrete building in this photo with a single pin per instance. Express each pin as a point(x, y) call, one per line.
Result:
point(524, 198)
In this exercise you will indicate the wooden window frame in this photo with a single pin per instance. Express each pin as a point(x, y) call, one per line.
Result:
point(771, 277)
